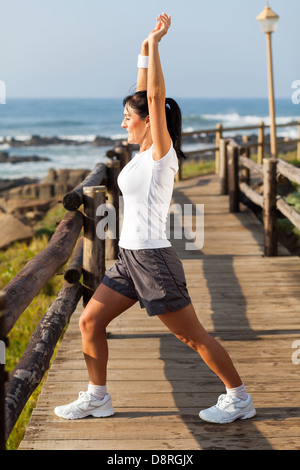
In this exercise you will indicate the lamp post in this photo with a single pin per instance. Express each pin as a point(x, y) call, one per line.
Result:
point(268, 20)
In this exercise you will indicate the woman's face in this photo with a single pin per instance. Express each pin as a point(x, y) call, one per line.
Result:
point(135, 126)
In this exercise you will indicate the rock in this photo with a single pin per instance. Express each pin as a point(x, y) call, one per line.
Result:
point(103, 141)
point(21, 207)
point(6, 184)
point(66, 176)
point(12, 229)
point(51, 176)
point(6, 158)
point(37, 141)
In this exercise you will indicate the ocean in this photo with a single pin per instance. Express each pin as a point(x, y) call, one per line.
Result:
point(82, 120)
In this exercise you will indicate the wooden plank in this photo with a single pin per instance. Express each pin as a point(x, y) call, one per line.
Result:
point(158, 385)
point(208, 443)
point(121, 429)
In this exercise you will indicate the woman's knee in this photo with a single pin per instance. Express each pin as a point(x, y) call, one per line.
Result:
point(90, 323)
point(186, 327)
point(187, 340)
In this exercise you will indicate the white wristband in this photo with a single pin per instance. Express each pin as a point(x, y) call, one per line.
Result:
point(142, 61)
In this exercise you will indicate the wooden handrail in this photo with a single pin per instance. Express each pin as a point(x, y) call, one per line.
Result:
point(289, 171)
point(288, 211)
point(230, 183)
point(74, 270)
point(251, 194)
point(242, 128)
point(194, 152)
point(36, 359)
point(251, 165)
point(260, 144)
point(22, 289)
point(73, 199)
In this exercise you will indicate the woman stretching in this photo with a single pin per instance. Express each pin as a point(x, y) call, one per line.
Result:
point(148, 269)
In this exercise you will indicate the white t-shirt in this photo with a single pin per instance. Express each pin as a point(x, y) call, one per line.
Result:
point(147, 187)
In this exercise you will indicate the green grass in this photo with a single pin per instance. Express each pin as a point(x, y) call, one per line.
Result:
point(284, 226)
point(290, 157)
point(12, 261)
point(193, 167)
point(292, 198)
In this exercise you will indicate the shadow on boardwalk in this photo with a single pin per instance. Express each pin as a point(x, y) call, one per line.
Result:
point(212, 267)
point(201, 385)
point(191, 373)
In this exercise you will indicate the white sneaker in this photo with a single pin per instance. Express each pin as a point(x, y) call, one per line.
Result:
point(84, 406)
point(229, 409)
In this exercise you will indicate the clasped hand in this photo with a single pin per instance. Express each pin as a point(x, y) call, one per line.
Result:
point(161, 28)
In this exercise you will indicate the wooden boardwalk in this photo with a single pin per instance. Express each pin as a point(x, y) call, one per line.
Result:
point(250, 303)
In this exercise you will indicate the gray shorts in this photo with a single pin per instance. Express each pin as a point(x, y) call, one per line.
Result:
point(154, 277)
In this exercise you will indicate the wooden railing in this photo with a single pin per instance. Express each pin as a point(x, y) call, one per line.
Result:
point(74, 240)
point(260, 143)
point(235, 168)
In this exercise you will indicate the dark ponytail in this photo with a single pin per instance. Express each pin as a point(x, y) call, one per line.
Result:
point(138, 101)
point(173, 114)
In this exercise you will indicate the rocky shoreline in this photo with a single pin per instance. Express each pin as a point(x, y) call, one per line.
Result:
point(24, 202)
point(40, 141)
point(5, 157)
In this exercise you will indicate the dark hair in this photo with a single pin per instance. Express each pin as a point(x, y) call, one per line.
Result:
point(138, 101)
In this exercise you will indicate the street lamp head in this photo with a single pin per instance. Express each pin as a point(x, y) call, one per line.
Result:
point(267, 20)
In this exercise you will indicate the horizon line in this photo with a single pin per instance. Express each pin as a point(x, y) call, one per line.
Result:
point(121, 97)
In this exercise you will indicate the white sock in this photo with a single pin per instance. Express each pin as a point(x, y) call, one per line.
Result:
point(98, 391)
point(238, 392)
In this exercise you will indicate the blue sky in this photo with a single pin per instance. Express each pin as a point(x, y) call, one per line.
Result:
point(88, 48)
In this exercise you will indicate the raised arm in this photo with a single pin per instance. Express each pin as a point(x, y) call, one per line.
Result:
point(143, 71)
point(156, 92)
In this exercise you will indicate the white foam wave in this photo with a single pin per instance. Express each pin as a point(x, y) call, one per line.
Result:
point(237, 120)
point(22, 137)
point(119, 136)
point(79, 138)
point(248, 119)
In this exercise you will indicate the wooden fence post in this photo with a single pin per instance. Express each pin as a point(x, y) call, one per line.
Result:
point(269, 206)
point(2, 374)
point(93, 262)
point(123, 153)
point(233, 178)
point(217, 155)
point(113, 194)
point(246, 152)
point(261, 142)
point(223, 167)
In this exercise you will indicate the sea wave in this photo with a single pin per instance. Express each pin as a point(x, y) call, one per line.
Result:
point(62, 122)
point(79, 138)
point(5, 146)
point(193, 123)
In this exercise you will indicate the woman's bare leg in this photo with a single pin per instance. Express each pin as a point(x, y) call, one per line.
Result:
point(105, 305)
point(186, 326)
